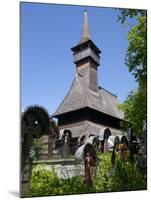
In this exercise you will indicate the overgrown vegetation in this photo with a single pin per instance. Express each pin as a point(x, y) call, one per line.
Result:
point(127, 177)
point(46, 183)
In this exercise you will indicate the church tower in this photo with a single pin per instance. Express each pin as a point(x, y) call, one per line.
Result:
point(88, 109)
point(86, 57)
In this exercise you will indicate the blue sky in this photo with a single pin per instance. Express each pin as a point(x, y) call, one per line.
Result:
point(48, 32)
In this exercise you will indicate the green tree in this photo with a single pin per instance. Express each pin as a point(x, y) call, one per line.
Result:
point(135, 106)
point(135, 110)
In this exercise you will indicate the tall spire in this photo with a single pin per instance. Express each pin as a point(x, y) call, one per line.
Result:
point(85, 29)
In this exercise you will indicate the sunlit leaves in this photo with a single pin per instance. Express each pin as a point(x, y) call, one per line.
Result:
point(135, 106)
point(135, 109)
point(136, 57)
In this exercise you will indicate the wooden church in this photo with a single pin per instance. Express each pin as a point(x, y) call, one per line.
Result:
point(88, 109)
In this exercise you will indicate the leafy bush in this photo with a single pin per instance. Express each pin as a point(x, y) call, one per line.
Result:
point(127, 177)
point(46, 182)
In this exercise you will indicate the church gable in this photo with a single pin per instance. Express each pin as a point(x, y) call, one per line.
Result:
point(75, 99)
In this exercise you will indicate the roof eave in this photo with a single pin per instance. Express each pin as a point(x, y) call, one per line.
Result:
point(89, 41)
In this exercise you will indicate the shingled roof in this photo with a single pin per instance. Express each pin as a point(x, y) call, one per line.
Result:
point(85, 92)
point(80, 96)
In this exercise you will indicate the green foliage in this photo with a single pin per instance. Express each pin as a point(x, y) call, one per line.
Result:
point(127, 177)
point(44, 182)
point(135, 110)
point(135, 106)
point(102, 179)
point(129, 13)
point(136, 57)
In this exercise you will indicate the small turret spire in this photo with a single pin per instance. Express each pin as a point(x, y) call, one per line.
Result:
point(85, 29)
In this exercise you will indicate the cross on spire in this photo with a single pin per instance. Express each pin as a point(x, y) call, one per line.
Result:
point(85, 29)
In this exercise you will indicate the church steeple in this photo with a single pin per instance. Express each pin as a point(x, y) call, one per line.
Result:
point(86, 43)
point(85, 29)
point(86, 57)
